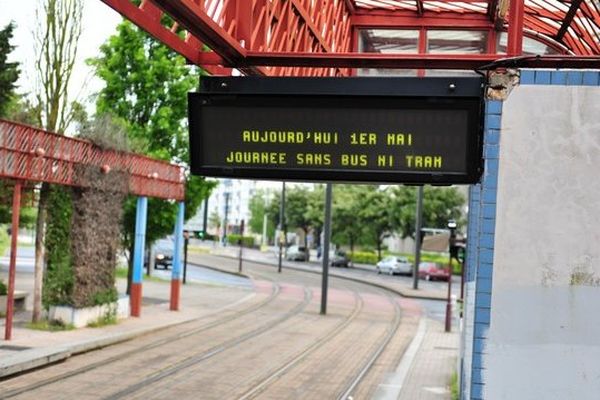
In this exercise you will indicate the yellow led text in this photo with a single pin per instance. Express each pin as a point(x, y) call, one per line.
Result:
point(424, 161)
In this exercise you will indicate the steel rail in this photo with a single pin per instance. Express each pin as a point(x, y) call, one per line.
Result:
point(276, 289)
point(349, 389)
point(207, 354)
point(260, 387)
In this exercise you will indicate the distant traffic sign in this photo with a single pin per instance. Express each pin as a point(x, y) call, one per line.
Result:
point(396, 130)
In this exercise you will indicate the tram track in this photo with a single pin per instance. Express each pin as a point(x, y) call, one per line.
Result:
point(276, 289)
point(273, 376)
point(260, 387)
point(205, 355)
point(347, 392)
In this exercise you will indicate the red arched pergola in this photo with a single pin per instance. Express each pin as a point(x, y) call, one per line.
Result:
point(323, 37)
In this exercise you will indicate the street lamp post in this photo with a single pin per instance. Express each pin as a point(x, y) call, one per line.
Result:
point(451, 239)
point(282, 240)
point(186, 241)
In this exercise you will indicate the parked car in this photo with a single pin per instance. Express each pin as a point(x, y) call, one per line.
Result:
point(339, 259)
point(296, 253)
point(394, 265)
point(433, 272)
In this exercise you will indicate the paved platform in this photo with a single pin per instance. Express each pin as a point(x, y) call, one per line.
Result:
point(424, 372)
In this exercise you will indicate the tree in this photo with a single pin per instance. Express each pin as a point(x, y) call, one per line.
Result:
point(259, 206)
point(348, 226)
point(439, 206)
point(9, 71)
point(296, 206)
point(146, 86)
point(376, 212)
point(57, 36)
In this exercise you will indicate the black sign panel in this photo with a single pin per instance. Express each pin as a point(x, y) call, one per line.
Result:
point(395, 130)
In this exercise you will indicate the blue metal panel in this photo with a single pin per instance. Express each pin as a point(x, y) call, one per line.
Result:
point(177, 251)
point(141, 214)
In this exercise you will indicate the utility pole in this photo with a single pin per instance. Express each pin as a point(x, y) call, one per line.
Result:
point(452, 238)
point(282, 240)
point(418, 244)
point(241, 246)
point(224, 238)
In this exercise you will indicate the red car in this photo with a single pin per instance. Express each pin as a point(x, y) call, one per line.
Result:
point(433, 272)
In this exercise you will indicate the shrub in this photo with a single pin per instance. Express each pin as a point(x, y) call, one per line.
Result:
point(247, 241)
point(4, 240)
point(3, 289)
point(363, 257)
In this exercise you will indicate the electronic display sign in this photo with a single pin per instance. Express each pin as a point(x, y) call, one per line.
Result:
point(389, 130)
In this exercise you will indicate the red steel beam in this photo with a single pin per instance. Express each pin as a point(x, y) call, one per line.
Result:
point(147, 19)
point(12, 268)
point(194, 18)
point(401, 19)
point(414, 61)
point(515, 27)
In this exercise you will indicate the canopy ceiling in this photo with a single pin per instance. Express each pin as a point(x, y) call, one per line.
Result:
point(323, 37)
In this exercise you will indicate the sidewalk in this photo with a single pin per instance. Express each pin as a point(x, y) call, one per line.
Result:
point(31, 348)
point(423, 373)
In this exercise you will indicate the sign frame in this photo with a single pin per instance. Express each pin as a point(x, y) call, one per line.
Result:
point(462, 93)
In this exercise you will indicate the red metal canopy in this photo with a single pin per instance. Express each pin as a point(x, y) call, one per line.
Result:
point(323, 37)
point(35, 155)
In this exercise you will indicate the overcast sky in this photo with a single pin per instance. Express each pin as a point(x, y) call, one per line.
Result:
point(99, 22)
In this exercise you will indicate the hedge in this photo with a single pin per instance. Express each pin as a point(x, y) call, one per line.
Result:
point(363, 257)
point(247, 241)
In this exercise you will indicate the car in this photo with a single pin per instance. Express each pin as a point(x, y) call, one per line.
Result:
point(431, 271)
point(394, 265)
point(296, 253)
point(163, 254)
point(339, 259)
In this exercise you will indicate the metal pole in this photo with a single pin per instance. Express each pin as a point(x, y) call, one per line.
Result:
point(205, 219)
point(225, 219)
point(326, 240)
point(449, 297)
point(241, 246)
point(418, 243)
point(283, 240)
point(186, 241)
point(12, 269)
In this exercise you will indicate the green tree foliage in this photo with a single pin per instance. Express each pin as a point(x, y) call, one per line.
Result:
point(9, 71)
point(146, 86)
point(296, 210)
point(59, 277)
point(439, 206)
point(377, 215)
point(347, 226)
point(259, 207)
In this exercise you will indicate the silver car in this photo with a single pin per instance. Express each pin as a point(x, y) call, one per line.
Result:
point(394, 265)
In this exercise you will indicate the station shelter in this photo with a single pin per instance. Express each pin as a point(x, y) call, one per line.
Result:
point(531, 327)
